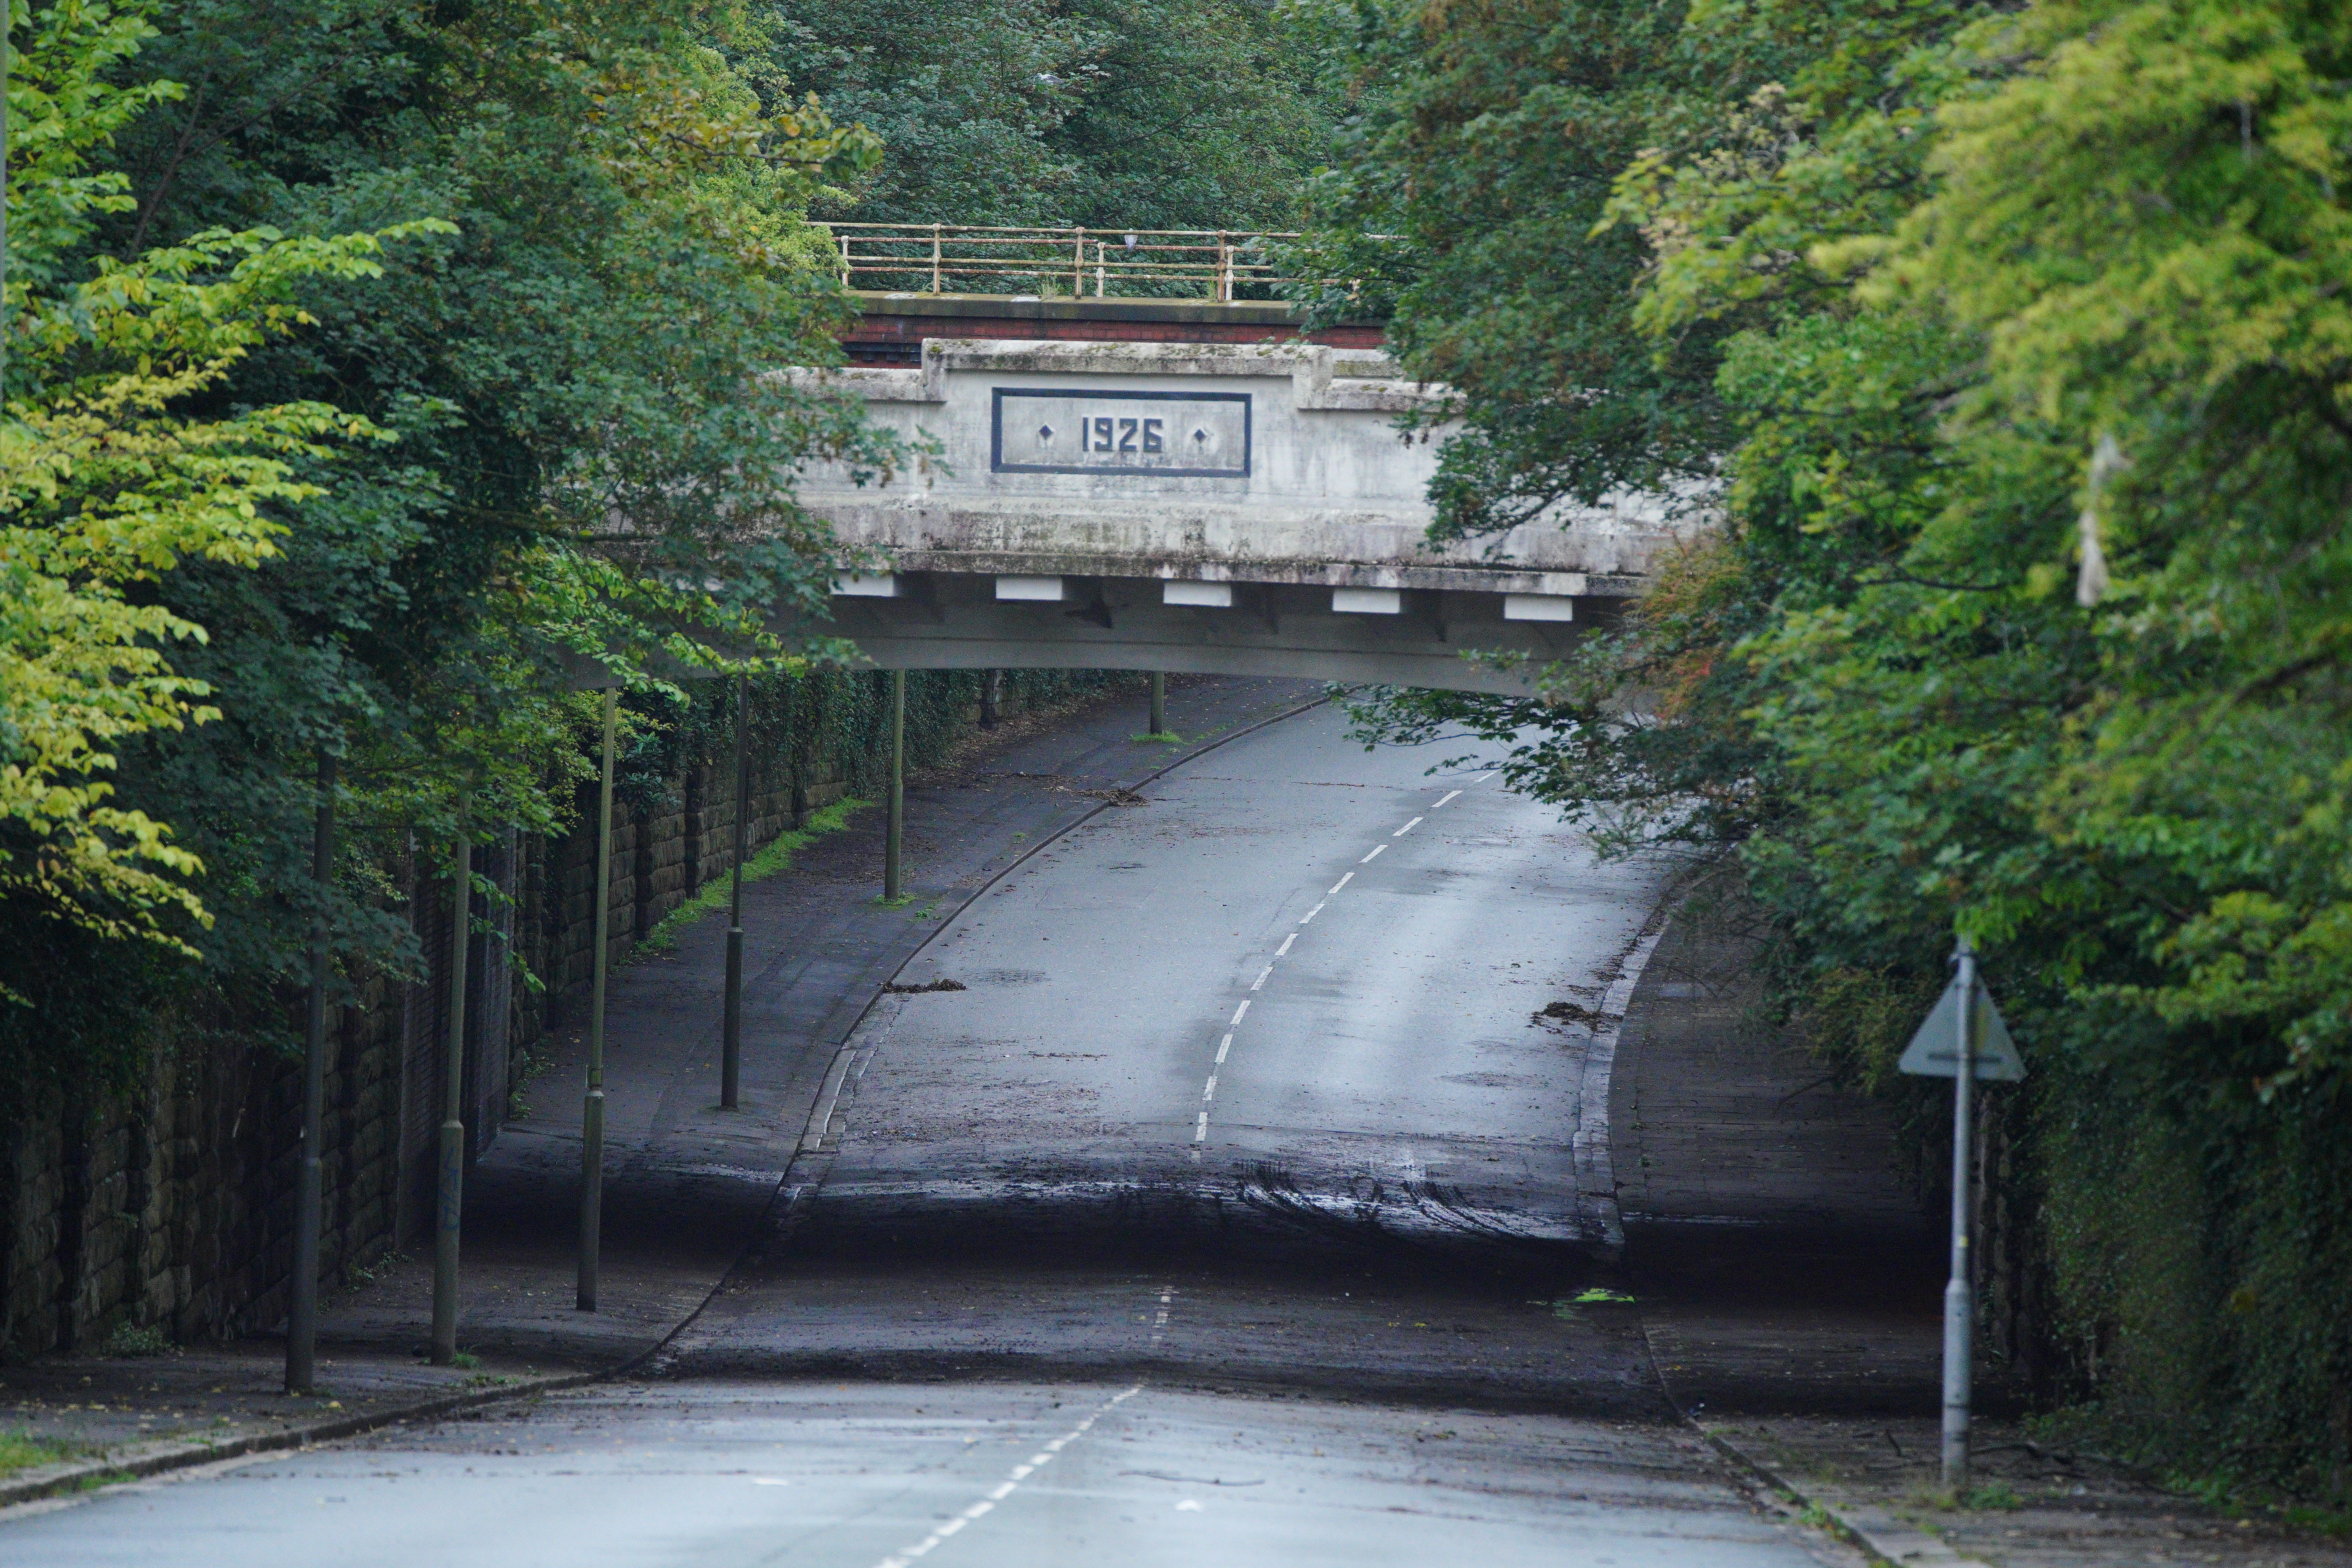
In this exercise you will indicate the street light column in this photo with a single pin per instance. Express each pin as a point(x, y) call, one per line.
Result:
point(302, 1314)
point(894, 830)
point(591, 1110)
point(730, 1052)
point(452, 1195)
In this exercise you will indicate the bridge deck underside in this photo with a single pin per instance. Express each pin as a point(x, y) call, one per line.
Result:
point(945, 621)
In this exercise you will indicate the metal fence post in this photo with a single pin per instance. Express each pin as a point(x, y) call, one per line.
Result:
point(730, 1044)
point(302, 1314)
point(452, 1204)
point(592, 1111)
point(1959, 1293)
point(935, 259)
point(894, 830)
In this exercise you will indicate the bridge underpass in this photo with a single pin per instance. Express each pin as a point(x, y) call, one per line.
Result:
point(1192, 502)
point(1239, 1142)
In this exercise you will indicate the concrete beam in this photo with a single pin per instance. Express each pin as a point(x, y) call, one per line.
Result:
point(956, 621)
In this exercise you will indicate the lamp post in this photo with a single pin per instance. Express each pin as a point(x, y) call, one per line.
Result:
point(894, 827)
point(452, 1195)
point(731, 1046)
point(592, 1111)
point(302, 1314)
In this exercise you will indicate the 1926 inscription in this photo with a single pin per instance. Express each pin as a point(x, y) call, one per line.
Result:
point(1096, 434)
point(1166, 435)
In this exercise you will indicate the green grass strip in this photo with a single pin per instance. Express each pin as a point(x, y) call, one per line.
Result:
point(22, 1451)
point(777, 857)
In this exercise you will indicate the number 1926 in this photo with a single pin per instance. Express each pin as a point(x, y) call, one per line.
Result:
point(1106, 434)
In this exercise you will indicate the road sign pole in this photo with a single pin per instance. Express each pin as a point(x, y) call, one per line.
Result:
point(730, 1044)
point(1959, 1294)
point(452, 1195)
point(592, 1111)
point(1159, 703)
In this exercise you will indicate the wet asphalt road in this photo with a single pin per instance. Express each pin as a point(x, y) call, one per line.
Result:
point(1235, 1210)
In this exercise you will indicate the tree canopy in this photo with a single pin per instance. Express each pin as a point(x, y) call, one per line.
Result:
point(1152, 113)
point(1999, 359)
point(366, 367)
point(371, 364)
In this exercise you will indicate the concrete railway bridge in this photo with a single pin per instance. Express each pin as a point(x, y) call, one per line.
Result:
point(1123, 483)
point(1185, 485)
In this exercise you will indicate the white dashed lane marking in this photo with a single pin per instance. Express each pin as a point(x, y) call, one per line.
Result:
point(1019, 1473)
point(1209, 1090)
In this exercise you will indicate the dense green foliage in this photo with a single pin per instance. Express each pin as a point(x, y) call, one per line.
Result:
point(1152, 113)
point(2020, 340)
point(377, 490)
point(373, 366)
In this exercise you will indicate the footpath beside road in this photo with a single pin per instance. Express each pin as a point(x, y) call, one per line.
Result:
point(686, 1184)
point(1791, 1287)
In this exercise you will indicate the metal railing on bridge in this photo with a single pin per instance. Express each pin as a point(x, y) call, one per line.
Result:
point(1156, 263)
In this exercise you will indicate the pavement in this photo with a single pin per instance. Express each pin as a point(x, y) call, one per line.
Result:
point(1791, 1291)
point(686, 1184)
point(1305, 1158)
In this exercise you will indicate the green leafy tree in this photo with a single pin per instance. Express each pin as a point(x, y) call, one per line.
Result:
point(2025, 615)
point(1107, 113)
point(106, 484)
point(1474, 170)
point(541, 429)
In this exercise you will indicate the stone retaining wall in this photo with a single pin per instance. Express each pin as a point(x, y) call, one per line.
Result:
point(171, 1210)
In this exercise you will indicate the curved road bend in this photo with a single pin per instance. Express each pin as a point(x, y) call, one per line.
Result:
point(1233, 1210)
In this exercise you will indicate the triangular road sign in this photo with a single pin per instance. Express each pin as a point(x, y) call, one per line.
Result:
point(1935, 1050)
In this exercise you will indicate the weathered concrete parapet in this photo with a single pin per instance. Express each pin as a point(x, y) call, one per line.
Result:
point(1119, 470)
point(1361, 380)
point(1327, 492)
